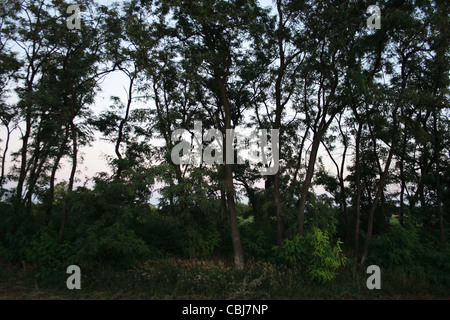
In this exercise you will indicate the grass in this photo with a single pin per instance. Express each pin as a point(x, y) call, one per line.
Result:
point(208, 279)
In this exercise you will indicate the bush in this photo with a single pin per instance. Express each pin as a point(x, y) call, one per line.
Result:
point(397, 249)
point(116, 244)
point(201, 243)
point(45, 252)
point(314, 252)
point(404, 248)
point(258, 239)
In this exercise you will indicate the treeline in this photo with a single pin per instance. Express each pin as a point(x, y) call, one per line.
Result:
point(362, 113)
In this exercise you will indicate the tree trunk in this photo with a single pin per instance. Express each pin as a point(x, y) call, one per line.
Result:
point(402, 179)
point(51, 191)
point(438, 180)
point(234, 227)
point(340, 175)
point(344, 200)
point(280, 222)
point(120, 166)
point(358, 191)
point(23, 155)
point(378, 195)
point(222, 220)
point(307, 182)
point(5, 152)
point(277, 125)
point(71, 182)
point(235, 235)
point(442, 86)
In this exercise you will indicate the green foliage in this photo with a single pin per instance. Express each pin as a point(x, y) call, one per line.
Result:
point(48, 254)
point(321, 214)
point(326, 258)
point(116, 244)
point(293, 250)
point(316, 253)
point(411, 250)
point(258, 239)
point(220, 62)
point(396, 249)
point(201, 242)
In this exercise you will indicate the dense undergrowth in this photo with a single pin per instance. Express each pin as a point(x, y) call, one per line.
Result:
point(213, 279)
point(140, 251)
point(149, 262)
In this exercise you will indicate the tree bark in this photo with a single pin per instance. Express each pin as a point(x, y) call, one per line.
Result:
point(379, 192)
point(307, 182)
point(71, 181)
point(438, 181)
point(122, 124)
point(358, 191)
point(234, 227)
point(23, 155)
point(5, 152)
point(51, 191)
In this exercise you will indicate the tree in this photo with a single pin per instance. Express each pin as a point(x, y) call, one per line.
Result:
point(332, 44)
point(214, 34)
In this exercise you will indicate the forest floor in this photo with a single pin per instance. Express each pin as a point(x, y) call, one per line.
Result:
point(208, 280)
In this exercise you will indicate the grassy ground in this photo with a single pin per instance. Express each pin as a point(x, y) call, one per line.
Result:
point(191, 279)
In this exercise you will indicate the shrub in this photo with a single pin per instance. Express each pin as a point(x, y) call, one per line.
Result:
point(397, 249)
point(258, 239)
point(404, 248)
point(116, 243)
point(45, 252)
point(314, 252)
point(201, 243)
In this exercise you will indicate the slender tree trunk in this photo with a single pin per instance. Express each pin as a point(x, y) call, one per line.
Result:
point(379, 192)
point(120, 166)
point(380, 171)
point(222, 221)
point(23, 155)
point(235, 235)
point(277, 125)
point(51, 191)
point(342, 183)
point(358, 191)
point(441, 85)
point(402, 179)
point(384, 227)
point(234, 227)
point(280, 222)
point(71, 181)
point(34, 176)
point(340, 175)
point(5, 153)
point(438, 180)
point(37, 162)
point(307, 182)
point(299, 163)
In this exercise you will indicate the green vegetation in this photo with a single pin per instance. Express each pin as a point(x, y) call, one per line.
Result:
point(172, 278)
point(364, 159)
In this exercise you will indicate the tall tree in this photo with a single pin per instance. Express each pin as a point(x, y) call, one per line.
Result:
point(80, 56)
point(215, 33)
point(332, 41)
